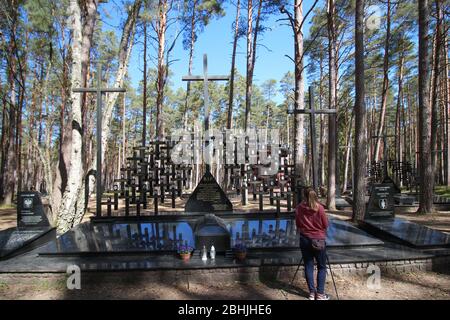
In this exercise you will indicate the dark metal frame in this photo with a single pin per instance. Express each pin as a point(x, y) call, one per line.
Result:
point(329, 267)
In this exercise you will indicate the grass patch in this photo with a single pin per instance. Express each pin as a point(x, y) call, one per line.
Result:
point(442, 191)
point(3, 286)
point(50, 284)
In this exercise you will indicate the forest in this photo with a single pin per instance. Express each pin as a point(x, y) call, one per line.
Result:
point(382, 64)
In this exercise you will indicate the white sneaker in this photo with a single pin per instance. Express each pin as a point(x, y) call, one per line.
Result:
point(322, 296)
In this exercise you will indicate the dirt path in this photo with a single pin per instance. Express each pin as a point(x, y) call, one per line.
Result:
point(8, 218)
point(420, 285)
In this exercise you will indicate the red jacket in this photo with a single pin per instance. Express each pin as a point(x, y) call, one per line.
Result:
point(310, 223)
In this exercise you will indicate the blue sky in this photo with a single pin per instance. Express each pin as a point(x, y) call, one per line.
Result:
point(216, 42)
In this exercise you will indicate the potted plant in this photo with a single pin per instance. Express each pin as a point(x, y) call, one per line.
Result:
point(185, 252)
point(240, 251)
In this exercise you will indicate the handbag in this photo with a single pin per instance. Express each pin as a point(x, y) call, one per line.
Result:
point(318, 244)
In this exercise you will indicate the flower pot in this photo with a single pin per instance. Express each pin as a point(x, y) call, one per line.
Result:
point(240, 255)
point(185, 256)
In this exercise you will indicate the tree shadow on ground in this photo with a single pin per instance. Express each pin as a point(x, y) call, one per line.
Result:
point(164, 285)
point(271, 279)
point(411, 278)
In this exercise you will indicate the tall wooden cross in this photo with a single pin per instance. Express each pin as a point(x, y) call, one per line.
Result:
point(312, 112)
point(206, 78)
point(98, 174)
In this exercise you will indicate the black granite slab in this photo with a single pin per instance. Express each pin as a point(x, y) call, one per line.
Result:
point(14, 241)
point(166, 236)
point(32, 262)
point(404, 199)
point(437, 199)
point(409, 233)
point(343, 234)
point(342, 203)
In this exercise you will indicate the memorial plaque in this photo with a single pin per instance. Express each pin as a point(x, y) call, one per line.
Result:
point(381, 202)
point(208, 196)
point(30, 211)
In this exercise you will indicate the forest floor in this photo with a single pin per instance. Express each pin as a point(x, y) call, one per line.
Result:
point(404, 286)
point(417, 285)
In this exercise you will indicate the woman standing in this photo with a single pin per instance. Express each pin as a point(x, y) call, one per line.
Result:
point(312, 223)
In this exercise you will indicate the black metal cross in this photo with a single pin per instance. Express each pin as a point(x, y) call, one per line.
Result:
point(385, 151)
point(206, 78)
point(312, 112)
point(98, 175)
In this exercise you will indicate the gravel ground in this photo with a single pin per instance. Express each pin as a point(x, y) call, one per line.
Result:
point(418, 285)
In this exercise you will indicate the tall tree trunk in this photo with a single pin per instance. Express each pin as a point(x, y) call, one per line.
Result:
point(161, 78)
point(359, 189)
point(30, 169)
point(251, 58)
point(299, 156)
point(385, 89)
point(255, 36)
point(398, 135)
point(11, 163)
point(441, 136)
point(373, 104)
point(322, 125)
point(435, 85)
point(22, 64)
point(425, 163)
point(288, 130)
point(89, 18)
point(46, 164)
point(332, 97)
point(348, 146)
point(125, 47)
point(446, 85)
point(412, 119)
point(124, 137)
point(38, 168)
point(144, 89)
point(188, 84)
point(248, 87)
point(3, 144)
point(233, 66)
point(191, 57)
point(404, 131)
point(18, 143)
point(60, 180)
point(75, 175)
